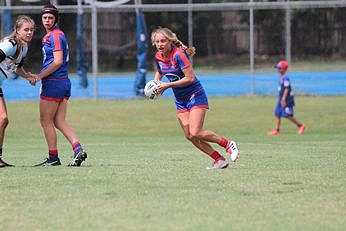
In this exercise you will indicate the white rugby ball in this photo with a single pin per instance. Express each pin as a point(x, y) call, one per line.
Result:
point(150, 89)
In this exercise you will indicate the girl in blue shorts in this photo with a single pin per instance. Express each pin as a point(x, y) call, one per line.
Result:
point(285, 103)
point(56, 90)
point(190, 98)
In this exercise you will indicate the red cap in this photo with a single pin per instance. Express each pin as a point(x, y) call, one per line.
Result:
point(282, 64)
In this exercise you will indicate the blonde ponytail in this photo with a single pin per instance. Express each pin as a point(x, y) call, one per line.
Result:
point(190, 51)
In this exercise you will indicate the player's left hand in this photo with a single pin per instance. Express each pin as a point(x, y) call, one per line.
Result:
point(163, 86)
point(33, 79)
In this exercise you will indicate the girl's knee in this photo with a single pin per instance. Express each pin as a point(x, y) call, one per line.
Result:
point(61, 124)
point(196, 135)
point(58, 124)
point(46, 122)
point(3, 121)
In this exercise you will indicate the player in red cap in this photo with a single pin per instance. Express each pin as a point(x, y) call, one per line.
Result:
point(285, 103)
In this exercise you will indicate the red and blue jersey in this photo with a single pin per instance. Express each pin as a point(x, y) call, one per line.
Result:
point(172, 69)
point(55, 40)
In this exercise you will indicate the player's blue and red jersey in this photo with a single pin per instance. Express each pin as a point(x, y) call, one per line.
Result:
point(55, 40)
point(174, 65)
point(56, 86)
point(285, 82)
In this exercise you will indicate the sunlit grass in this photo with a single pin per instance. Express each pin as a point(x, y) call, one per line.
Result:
point(142, 174)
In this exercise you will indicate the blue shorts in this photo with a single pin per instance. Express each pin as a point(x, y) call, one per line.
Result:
point(283, 112)
point(55, 89)
point(196, 100)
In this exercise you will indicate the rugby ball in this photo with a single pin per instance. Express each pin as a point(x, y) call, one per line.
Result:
point(150, 89)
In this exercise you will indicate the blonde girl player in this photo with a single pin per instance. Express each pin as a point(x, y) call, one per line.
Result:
point(56, 90)
point(285, 103)
point(190, 98)
point(13, 50)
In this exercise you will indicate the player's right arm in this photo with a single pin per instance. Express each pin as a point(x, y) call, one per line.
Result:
point(284, 97)
point(157, 76)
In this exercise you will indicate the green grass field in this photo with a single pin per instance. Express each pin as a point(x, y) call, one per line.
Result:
point(142, 174)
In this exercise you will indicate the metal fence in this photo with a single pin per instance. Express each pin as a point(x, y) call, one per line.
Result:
point(226, 34)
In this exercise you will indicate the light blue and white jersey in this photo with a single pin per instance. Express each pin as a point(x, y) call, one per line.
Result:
point(7, 67)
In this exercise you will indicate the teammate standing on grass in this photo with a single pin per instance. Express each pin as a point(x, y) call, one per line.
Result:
point(190, 98)
point(13, 50)
point(285, 103)
point(56, 90)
